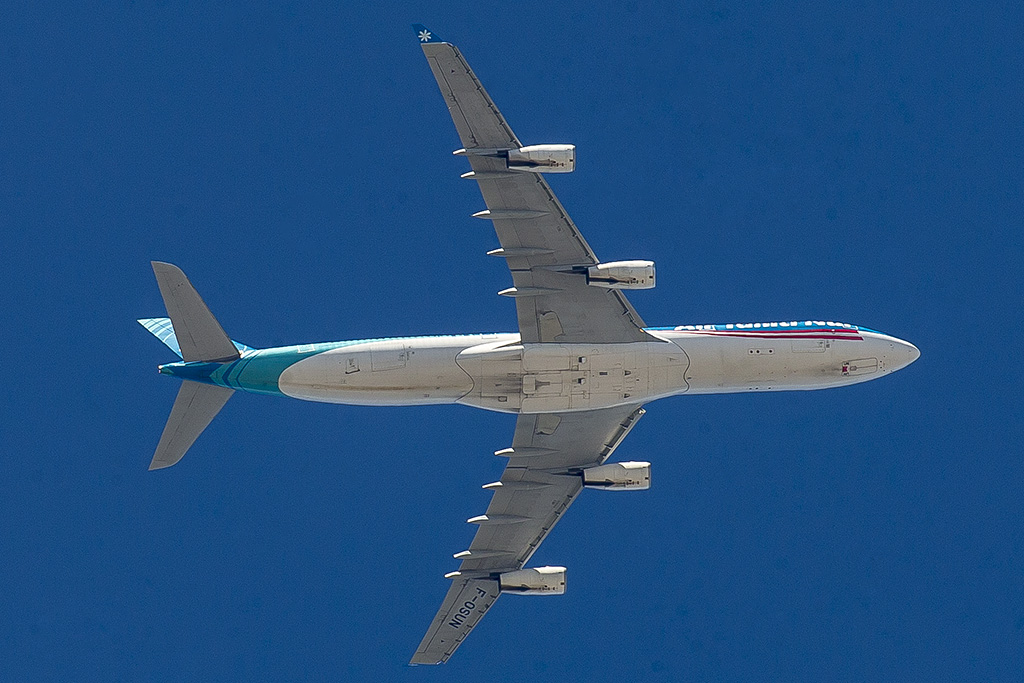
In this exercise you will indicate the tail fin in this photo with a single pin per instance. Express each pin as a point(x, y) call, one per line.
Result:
point(199, 335)
point(194, 409)
point(195, 335)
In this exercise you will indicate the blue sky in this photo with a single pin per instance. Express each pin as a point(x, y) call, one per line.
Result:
point(776, 162)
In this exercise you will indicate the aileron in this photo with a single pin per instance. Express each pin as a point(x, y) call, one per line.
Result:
point(467, 601)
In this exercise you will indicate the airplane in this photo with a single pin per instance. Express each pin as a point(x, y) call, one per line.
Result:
point(576, 374)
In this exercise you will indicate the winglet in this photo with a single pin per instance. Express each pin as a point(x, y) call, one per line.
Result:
point(425, 34)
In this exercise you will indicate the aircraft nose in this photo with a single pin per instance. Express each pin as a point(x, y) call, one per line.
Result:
point(906, 353)
point(913, 352)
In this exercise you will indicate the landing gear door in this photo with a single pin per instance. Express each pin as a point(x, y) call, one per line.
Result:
point(545, 358)
point(547, 384)
point(390, 355)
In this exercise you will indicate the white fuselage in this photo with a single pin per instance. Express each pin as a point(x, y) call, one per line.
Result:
point(496, 372)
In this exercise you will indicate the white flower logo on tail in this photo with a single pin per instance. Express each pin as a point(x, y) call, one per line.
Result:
point(424, 36)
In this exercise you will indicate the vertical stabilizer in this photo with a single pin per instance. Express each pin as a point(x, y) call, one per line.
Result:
point(199, 335)
point(194, 408)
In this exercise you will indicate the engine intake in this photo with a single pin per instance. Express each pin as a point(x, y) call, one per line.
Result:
point(536, 581)
point(619, 476)
point(543, 159)
point(622, 275)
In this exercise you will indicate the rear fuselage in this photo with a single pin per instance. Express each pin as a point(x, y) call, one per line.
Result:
point(496, 372)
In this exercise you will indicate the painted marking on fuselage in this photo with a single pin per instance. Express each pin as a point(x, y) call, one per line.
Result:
point(783, 334)
point(809, 329)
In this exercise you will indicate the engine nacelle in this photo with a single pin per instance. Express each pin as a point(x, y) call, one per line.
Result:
point(536, 581)
point(619, 476)
point(543, 159)
point(622, 275)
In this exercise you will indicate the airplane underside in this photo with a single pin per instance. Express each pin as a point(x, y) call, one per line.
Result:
point(577, 373)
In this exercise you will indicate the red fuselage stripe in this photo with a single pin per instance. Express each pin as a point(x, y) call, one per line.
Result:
point(774, 331)
point(760, 335)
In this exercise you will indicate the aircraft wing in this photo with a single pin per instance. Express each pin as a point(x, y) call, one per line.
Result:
point(539, 483)
point(538, 239)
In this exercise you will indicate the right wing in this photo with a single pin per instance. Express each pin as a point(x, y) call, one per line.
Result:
point(539, 483)
point(538, 239)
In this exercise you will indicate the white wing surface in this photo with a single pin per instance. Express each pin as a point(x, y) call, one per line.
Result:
point(541, 480)
point(538, 239)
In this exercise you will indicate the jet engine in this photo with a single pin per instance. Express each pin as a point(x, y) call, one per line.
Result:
point(535, 581)
point(622, 275)
point(619, 476)
point(543, 159)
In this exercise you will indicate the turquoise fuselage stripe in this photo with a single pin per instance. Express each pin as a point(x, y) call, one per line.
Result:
point(256, 371)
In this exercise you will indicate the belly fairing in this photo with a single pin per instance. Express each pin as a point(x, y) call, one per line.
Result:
point(557, 378)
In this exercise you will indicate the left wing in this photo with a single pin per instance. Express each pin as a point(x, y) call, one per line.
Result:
point(541, 480)
point(543, 248)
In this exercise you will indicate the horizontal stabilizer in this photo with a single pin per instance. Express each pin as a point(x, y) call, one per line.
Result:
point(199, 335)
point(194, 409)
